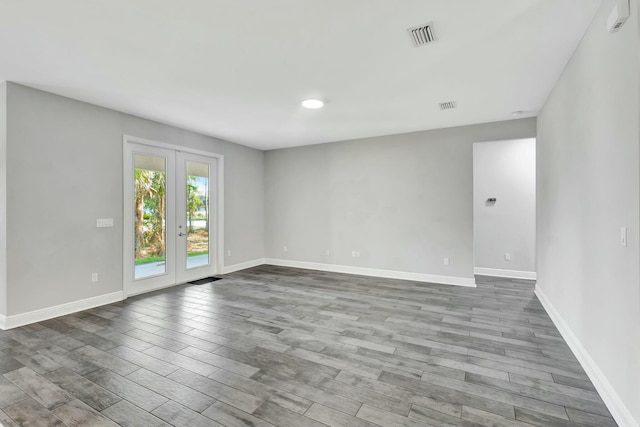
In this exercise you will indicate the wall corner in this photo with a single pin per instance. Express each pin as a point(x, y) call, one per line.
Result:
point(3, 201)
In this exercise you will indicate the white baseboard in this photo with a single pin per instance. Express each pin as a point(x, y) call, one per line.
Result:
point(388, 274)
point(511, 274)
point(34, 316)
point(243, 265)
point(614, 403)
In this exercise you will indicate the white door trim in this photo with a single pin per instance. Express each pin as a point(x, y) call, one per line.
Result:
point(219, 223)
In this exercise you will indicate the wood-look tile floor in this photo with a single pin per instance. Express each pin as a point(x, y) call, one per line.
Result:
point(274, 346)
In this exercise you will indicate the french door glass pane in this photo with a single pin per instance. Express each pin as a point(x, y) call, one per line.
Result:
point(197, 214)
point(150, 215)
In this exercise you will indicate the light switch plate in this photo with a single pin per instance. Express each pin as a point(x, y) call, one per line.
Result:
point(104, 222)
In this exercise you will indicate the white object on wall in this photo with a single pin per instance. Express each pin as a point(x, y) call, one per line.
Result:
point(104, 222)
point(618, 16)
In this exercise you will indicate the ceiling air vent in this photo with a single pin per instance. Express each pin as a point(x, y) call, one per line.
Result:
point(448, 105)
point(421, 35)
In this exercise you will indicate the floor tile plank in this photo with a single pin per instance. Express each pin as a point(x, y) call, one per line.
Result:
point(10, 393)
point(39, 388)
point(127, 389)
point(281, 417)
point(334, 418)
point(79, 414)
point(129, 415)
point(172, 390)
point(80, 387)
point(178, 415)
point(241, 400)
point(31, 413)
point(229, 416)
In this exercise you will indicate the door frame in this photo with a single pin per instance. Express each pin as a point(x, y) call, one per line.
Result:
point(128, 269)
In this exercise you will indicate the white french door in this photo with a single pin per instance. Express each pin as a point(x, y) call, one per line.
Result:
point(194, 249)
point(172, 218)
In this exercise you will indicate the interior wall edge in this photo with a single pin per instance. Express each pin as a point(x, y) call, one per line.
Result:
point(3, 201)
point(611, 398)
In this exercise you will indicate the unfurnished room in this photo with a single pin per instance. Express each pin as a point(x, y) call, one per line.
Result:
point(354, 213)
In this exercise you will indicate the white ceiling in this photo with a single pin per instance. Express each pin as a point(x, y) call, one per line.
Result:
point(239, 69)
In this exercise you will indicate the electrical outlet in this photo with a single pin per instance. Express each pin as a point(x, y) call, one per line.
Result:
point(446, 261)
point(285, 249)
point(353, 254)
point(507, 256)
point(327, 252)
point(357, 254)
point(94, 277)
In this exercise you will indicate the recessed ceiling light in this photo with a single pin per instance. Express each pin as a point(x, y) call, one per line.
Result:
point(312, 103)
point(518, 113)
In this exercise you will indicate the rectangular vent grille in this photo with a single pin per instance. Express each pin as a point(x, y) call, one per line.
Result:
point(422, 35)
point(448, 105)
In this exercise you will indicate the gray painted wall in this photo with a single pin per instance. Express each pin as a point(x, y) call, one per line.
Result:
point(588, 187)
point(3, 199)
point(65, 171)
point(403, 201)
point(505, 170)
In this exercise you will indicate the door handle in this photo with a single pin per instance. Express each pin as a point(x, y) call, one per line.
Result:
point(182, 234)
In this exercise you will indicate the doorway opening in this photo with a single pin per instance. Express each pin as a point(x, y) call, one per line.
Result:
point(504, 208)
